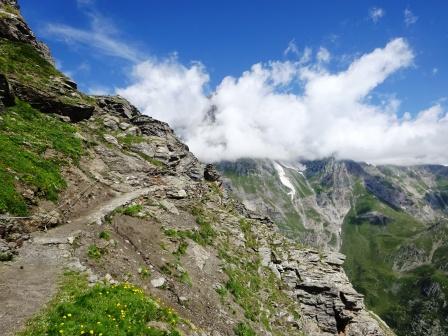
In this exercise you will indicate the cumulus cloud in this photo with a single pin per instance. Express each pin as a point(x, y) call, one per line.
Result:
point(289, 110)
point(171, 92)
point(376, 13)
point(409, 17)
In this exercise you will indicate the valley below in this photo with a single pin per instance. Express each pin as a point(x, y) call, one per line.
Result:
point(389, 221)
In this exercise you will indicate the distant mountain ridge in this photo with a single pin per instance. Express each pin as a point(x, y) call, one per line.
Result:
point(390, 221)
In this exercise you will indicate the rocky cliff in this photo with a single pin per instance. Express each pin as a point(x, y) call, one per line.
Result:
point(99, 200)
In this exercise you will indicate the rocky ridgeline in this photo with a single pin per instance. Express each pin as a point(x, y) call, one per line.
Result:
point(168, 218)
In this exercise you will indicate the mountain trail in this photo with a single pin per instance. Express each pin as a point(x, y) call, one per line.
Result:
point(29, 281)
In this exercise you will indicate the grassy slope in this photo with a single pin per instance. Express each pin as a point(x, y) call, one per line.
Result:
point(102, 310)
point(26, 136)
point(371, 250)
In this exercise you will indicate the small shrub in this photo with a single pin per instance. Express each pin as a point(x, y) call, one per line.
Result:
point(94, 252)
point(132, 210)
point(222, 291)
point(104, 235)
point(144, 272)
point(243, 329)
point(181, 249)
point(151, 160)
point(184, 277)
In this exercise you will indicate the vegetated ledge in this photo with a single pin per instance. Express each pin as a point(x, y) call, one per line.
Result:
point(35, 80)
point(29, 68)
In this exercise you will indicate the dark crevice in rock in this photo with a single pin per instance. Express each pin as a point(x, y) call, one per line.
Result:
point(6, 94)
point(313, 289)
point(341, 322)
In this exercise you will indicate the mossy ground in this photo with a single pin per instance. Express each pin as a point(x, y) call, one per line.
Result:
point(102, 310)
point(26, 137)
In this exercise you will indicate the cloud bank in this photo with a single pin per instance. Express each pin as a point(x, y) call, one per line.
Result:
point(288, 110)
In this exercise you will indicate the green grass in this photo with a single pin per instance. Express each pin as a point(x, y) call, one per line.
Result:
point(23, 62)
point(203, 236)
point(26, 64)
point(144, 272)
point(206, 233)
point(243, 284)
point(130, 139)
point(152, 160)
point(243, 329)
point(102, 310)
point(131, 210)
point(94, 252)
point(26, 135)
point(442, 183)
point(104, 235)
point(246, 227)
point(181, 249)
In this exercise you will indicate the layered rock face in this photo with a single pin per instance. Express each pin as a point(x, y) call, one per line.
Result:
point(205, 255)
point(329, 303)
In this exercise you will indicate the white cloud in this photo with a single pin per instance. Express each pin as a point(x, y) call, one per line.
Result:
point(323, 55)
point(306, 57)
point(409, 17)
point(100, 36)
point(171, 92)
point(260, 115)
point(376, 13)
point(291, 49)
point(435, 71)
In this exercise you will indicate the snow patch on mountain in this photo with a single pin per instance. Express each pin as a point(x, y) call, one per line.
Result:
point(284, 180)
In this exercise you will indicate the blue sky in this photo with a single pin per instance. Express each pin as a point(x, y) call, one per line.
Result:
point(362, 80)
point(229, 36)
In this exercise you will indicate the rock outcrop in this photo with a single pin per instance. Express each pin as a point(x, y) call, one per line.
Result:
point(14, 28)
point(6, 94)
point(49, 99)
point(329, 304)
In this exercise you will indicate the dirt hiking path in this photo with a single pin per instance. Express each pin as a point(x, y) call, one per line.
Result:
point(29, 281)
